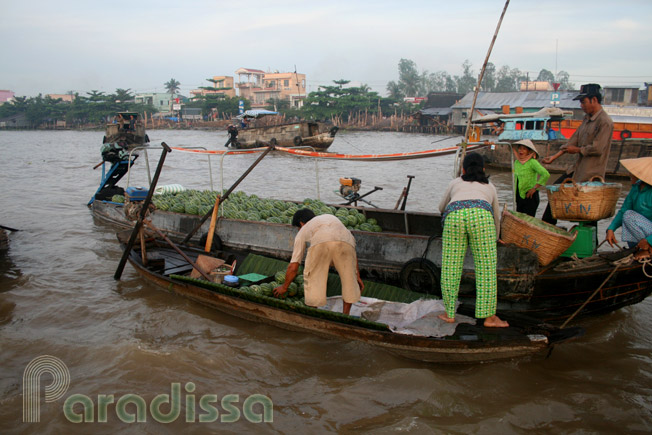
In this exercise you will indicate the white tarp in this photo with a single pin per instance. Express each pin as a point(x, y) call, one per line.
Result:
point(416, 318)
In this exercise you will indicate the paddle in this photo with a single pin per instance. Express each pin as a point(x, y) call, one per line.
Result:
point(221, 198)
point(143, 212)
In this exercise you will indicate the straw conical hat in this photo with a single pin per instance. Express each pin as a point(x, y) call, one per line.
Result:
point(641, 168)
point(527, 143)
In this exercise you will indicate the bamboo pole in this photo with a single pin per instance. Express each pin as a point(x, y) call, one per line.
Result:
point(477, 89)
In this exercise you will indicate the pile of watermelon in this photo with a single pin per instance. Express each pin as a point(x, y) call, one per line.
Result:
point(241, 206)
point(294, 295)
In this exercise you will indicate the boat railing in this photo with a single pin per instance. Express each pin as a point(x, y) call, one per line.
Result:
point(149, 176)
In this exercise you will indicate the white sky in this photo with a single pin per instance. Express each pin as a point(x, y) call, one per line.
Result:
point(59, 46)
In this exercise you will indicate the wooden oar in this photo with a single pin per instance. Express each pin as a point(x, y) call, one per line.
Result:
point(221, 198)
point(143, 212)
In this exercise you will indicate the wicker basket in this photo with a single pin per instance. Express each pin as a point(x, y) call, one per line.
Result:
point(545, 240)
point(585, 201)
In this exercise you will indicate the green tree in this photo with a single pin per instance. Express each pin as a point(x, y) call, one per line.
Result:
point(122, 95)
point(546, 76)
point(172, 86)
point(394, 90)
point(409, 79)
point(329, 101)
point(563, 78)
point(489, 78)
point(467, 81)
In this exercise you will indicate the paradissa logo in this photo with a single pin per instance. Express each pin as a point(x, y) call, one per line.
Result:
point(79, 408)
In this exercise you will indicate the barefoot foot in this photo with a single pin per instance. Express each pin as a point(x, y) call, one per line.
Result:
point(495, 322)
point(446, 319)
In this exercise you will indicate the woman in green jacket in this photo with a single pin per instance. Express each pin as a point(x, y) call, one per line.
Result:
point(635, 215)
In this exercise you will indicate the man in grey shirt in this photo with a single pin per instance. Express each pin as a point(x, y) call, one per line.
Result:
point(591, 142)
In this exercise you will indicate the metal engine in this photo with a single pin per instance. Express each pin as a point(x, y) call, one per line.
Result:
point(349, 186)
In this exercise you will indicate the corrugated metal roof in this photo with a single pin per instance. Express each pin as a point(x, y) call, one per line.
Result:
point(527, 100)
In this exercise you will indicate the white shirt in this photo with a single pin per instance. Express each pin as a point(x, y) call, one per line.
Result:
point(320, 229)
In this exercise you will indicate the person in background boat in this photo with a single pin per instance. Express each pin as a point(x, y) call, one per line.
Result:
point(529, 176)
point(331, 243)
point(635, 215)
point(132, 122)
point(552, 134)
point(469, 211)
point(232, 131)
point(591, 142)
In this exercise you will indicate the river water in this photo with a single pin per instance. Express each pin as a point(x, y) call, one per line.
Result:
point(58, 298)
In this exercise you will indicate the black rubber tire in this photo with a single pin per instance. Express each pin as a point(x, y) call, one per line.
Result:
point(215, 246)
point(273, 141)
point(625, 134)
point(422, 276)
point(297, 140)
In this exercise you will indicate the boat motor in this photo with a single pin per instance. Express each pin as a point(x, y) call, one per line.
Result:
point(349, 188)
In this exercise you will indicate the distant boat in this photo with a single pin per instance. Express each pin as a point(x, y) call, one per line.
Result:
point(127, 128)
point(317, 135)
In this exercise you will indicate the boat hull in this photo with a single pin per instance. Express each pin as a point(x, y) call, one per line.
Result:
point(473, 345)
point(307, 134)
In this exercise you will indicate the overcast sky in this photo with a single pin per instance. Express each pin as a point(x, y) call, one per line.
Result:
point(60, 46)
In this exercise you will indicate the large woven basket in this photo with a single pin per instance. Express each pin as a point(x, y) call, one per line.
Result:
point(545, 240)
point(588, 201)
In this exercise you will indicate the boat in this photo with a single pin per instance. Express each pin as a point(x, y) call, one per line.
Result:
point(126, 130)
point(4, 241)
point(536, 126)
point(309, 134)
point(462, 343)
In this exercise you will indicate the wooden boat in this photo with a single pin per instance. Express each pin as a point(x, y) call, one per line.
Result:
point(467, 344)
point(4, 241)
point(535, 126)
point(127, 130)
point(306, 134)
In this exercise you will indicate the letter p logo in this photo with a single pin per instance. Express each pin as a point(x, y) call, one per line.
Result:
point(32, 385)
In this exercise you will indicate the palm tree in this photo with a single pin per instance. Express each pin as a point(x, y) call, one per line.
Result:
point(172, 86)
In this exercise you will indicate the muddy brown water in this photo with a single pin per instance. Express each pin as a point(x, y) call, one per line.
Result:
point(58, 298)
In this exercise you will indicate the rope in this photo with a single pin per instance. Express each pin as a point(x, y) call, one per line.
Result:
point(645, 262)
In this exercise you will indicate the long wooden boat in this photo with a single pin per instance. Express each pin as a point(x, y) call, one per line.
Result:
point(306, 134)
point(469, 343)
point(535, 126)
point(408, 253)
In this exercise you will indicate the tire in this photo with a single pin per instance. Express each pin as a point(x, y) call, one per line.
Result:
point(215, 246)
point(333, 131)
point(625, 134)
point(273, 141)
point(297, 140)
point(422, 276)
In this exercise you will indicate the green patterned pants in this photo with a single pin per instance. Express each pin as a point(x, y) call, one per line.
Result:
point(474, 226)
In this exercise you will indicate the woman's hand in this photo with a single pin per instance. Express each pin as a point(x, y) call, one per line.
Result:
point(611, 238)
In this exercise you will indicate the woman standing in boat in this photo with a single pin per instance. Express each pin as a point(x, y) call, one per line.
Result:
point(470, 216)
point(529, 176)
point(635, 215)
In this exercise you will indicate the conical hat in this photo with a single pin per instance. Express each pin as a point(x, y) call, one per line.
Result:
point(527, 143)
point(641, 168)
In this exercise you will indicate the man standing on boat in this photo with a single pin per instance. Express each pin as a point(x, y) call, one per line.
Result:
point(591, 142)
point(232, 130)
point(331, 243)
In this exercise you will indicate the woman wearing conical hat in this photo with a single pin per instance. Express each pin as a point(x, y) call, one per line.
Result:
point(635, 215)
